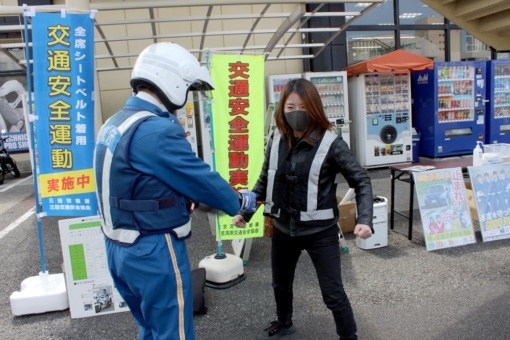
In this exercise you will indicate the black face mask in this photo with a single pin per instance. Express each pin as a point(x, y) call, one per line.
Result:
point(297, 120)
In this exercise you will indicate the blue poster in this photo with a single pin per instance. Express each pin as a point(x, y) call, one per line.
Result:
point(491, 191)
point(63, 48)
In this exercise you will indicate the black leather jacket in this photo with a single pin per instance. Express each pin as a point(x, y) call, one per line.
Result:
point(339, 159)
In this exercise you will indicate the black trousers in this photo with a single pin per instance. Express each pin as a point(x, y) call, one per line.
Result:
point(324, 250)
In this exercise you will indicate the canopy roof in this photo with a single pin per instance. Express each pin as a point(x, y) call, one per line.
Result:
point(273, 28)
point(399, 60)
point(486, 20)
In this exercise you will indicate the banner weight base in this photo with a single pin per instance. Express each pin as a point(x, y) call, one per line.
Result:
point(222, 271)
point(40, 294)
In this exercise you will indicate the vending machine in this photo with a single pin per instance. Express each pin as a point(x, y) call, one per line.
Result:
point(497, 124)
point(205, 128)
point(380, 109)
point(186, 117)
point(275, 85)
point(449, 107)
point(332, 87)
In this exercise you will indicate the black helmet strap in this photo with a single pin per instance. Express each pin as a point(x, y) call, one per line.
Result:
point(136, 84)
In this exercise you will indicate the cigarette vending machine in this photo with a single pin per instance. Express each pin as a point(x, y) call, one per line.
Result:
point(380, 109)
point(497, 115)
point(332, 87)
point(449, 107)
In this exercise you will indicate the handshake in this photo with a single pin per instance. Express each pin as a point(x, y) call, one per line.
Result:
point(248, 201)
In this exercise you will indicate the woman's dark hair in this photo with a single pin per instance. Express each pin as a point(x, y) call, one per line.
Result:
point(308, 93)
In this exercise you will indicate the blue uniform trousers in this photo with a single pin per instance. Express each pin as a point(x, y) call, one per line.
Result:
point(154, 278)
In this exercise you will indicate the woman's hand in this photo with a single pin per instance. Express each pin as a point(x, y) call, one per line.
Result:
point(239, 221)
point(362, 231)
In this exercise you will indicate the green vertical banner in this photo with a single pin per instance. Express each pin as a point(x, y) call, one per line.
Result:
point(238, 131)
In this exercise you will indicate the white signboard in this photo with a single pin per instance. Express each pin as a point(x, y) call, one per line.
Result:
point(491, 191)
point(89, 285)
point(444, 208)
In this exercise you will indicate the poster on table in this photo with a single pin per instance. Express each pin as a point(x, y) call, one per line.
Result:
point(63, 46)
point(89, 285)
point(491, 191)
point(444, 208)
point(237, 112)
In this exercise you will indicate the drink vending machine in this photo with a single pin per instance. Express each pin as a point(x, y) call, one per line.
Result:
point(275, 85)
point(333, 89)
point(498, 102)
point(380, 105)
point(449, 107)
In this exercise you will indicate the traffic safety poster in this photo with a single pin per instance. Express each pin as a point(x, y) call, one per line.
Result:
point(444, 208)
point(90, 287)
point(491, 191)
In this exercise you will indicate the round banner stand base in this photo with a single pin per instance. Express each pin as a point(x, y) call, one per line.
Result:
point(222, 271)
point(40, 294)
point(225, 284)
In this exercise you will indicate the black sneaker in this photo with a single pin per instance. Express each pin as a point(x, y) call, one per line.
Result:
point(276, 330)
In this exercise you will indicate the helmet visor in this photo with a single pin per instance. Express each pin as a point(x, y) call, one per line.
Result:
point(203, 81)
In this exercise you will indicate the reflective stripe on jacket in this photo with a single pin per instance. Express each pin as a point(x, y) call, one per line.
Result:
point(290, 191)
point(297, 186)
point(118, 204)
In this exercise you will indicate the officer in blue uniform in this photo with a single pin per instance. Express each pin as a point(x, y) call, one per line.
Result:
point(147, 177)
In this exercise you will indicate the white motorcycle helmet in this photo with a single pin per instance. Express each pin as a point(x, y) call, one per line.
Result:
point(170, 71)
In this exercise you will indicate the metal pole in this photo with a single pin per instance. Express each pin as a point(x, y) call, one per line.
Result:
point(32, 142)
point(213, 156)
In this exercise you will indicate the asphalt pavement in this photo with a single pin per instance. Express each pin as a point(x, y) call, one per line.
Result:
point(400, 291)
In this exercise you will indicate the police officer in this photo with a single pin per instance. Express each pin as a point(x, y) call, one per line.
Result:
point(147, 176)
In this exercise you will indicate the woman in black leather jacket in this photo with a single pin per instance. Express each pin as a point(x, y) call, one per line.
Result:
point(297, 184)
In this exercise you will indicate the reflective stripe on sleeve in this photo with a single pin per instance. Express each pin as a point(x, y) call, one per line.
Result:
point(121, 235)
point(273, 165)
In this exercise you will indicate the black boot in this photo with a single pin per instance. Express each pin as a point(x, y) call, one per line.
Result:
point(276, 330)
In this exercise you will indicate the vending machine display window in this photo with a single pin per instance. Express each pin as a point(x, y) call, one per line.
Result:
point(455, 94)
point(498, 104)
point(502, 91)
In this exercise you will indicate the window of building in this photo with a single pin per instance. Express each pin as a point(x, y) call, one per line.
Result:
point(363, 45)
point(503, 55)
point(414, 12)
point(378, 31)
point(464, 47)
point(380, 15)
point(427, 43)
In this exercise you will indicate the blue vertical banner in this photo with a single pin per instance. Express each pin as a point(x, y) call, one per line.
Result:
point(63, 49)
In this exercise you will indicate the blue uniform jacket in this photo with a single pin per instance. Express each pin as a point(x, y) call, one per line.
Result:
point(165, 166)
